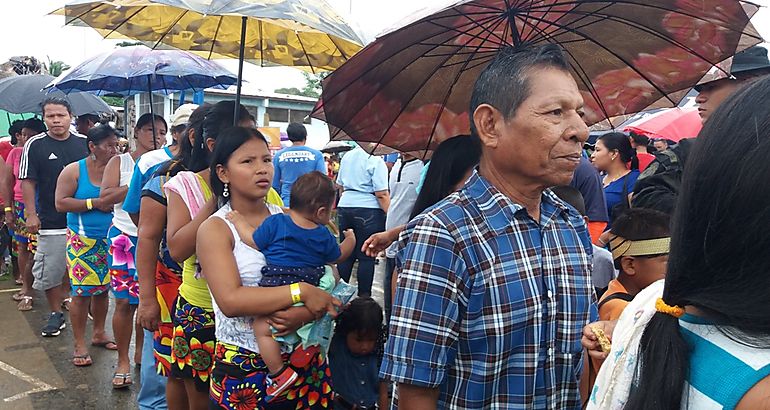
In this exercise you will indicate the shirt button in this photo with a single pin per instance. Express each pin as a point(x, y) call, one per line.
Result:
point(363, 382)
point(550, 294)
point(550, 351)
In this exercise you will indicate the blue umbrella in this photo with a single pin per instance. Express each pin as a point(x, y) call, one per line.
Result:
point(126, 71)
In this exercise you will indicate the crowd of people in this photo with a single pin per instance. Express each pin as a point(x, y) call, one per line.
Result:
point(520, 271)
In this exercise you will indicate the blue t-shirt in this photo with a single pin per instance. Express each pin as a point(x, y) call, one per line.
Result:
point(291, 163)
point(613, 193)
point(361, 175)
point(588, 181)
point(145, 166)
point(285, 244)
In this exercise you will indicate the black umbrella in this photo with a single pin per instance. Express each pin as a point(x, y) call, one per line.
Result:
point(24, 93)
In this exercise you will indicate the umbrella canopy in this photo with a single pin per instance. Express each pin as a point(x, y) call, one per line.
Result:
point(306, 34)
point(336, 146)
point(410, 89)
point(672, 124)
point(25, 94)
point(127, 71)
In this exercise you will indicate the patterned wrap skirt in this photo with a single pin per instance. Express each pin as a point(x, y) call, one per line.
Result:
point(167, 284)
point(87, 264)
point(238, 380)
point(21, 237)
point(192, 349)
point(123, 279)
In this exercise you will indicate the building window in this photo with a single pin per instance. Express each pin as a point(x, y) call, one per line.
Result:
point(278, 114)
point(300, 116)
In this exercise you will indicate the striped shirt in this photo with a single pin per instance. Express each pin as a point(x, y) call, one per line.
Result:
point(491, 304)
point(721, 369)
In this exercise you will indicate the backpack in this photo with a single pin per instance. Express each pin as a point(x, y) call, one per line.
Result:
point(658, 186)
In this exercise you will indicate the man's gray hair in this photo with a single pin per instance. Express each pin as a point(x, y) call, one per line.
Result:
point(504, 83)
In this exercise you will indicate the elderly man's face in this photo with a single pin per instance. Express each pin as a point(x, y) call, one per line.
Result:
point(542, 142)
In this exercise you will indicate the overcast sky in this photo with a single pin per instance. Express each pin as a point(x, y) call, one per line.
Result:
point(26, 29)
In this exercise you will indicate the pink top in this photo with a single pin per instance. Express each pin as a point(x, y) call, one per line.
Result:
point(14, 158)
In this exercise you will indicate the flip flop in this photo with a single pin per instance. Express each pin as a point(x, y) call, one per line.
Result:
point(126, 380)
point(25, 304)
point(85, 360)
point(18, 282)
point(18, 296)
point(109, 345)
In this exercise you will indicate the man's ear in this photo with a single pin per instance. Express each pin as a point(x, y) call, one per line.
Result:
point(627, 265)
point(488, 121)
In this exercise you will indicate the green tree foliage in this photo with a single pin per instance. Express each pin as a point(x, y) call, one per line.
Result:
point(312, 86)
point(55, 68)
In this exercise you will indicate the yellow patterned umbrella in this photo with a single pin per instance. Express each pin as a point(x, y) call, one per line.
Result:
point(305, 34)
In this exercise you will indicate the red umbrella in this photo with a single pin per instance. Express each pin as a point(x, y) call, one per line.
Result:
point(410, 89)
point(672, 124)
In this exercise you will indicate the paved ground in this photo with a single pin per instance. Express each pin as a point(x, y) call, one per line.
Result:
point(36, 372)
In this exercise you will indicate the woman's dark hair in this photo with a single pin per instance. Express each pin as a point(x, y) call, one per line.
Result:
point(363, 315)
point(640, 139)
point(146, 118)
point(14, 129)
point(100, 133)
point(35, 124)
point(638, 224)
point(449, 164)
point(617, 141)
point(231, 139)
point(312, 191)
point(218, 117)
point(183, 157)
point(719, 261)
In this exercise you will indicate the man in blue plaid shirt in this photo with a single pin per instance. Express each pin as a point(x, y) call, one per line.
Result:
point(494, 286)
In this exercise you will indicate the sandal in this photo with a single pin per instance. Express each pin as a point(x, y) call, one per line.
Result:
point(18, 296)
point(65, 304)
point(109, 345)
point(125, 380)
point(18, 282)
point(82, 360)
point(25, 304)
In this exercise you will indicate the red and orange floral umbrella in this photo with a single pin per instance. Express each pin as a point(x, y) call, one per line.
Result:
point(410, 89)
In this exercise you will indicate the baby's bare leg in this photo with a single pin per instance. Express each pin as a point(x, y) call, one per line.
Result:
point(269, 348)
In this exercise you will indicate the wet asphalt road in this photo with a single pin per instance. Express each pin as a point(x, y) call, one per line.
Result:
point(37, 372)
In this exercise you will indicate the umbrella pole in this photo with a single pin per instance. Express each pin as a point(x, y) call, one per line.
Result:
point(152, 114)
point(241, 57)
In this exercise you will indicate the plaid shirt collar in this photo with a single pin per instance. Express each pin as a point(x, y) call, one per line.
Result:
point(491, 201)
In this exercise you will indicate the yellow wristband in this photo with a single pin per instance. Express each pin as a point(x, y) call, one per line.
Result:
point(89, 204)
point(295, 293)
point(8, 209)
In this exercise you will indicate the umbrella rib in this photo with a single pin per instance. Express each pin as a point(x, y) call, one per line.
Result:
point(307, 57)
point(261, 45)
point(391, 79)
point(443, 104)
point(649, 31)
point(588, 83)
point(417, 90)
point(214, 39)
point(171, 27)
point(621, 58)
point(125, 21)
point(480, 23)
point(331, 38)
point(401, 49)
point(694, 16)
point(84, 13)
